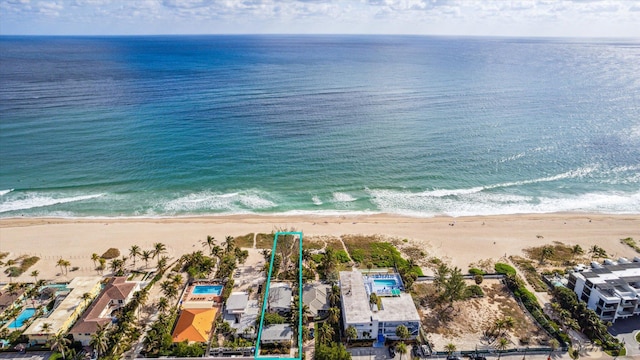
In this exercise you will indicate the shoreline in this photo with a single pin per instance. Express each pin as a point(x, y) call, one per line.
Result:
point(458, 241)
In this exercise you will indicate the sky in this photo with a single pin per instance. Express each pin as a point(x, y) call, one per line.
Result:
point(538, 18)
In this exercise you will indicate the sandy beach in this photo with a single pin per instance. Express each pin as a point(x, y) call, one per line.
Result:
point(458, 241)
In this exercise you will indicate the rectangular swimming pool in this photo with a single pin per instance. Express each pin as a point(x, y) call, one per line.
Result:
point(25, 315)
point(207, 289)
point(385, 282)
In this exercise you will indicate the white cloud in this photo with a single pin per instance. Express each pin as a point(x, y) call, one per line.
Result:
point(457, 17)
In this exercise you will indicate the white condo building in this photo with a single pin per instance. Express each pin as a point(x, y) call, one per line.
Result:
point(612, 291)
point(373, 321)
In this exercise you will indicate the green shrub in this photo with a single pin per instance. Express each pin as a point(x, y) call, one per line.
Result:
point(273, 318)
point(473, 291)
point(112, 253)
point(502, 268)
point(317, 258)
point(342, 256)
point(476, 271)
point(478, 279)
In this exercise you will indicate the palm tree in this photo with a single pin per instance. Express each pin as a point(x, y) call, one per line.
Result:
point(325, 333)
point(134, 252)
point(59, 343)
point(209, 242)
point(162, 262)
point(576, 250)
point(509, 322)
point(159, 249)
point(162, 305)
point(46, 327)
point(95, 257)
point(450, 348)
point(547, 252)
point(334, 315)
point(100, 340)
point(499, 325)
point(146, 255)
point(334, 296)
point(87, 297)
point(402, 332)
point(61, 263)
point(177, 279)
point(35, 274)
point(229, 242)
point(502, 345)
point(103, 264)
point(401, 349)
point(351, 333)
point(66, 265)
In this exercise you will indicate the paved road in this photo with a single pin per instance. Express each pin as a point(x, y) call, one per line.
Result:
point(625, 330)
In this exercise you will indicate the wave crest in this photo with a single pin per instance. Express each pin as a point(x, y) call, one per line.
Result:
point(31, 201)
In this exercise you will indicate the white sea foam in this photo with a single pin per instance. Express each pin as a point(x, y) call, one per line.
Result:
point(316, 200)
point(343, 197)
point(482, 203)
point(4, 192)
point(237, 202)
point(38, 200)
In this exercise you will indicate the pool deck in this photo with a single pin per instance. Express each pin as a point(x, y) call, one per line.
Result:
point(191, 300)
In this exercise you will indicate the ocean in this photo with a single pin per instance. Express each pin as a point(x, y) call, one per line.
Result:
point(216, 125)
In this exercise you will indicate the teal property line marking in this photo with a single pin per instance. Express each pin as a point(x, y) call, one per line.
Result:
point(266, 298)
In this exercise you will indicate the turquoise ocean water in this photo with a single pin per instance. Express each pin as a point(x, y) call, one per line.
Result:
point(423, 126)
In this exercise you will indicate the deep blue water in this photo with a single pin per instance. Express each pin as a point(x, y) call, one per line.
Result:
point(161, 126)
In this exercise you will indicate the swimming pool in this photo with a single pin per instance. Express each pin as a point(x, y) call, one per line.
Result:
point(25, 315)
point(207, 289)
point(385, 282)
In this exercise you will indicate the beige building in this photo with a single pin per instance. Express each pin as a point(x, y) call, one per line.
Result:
point(67, 311)
point(116, 294)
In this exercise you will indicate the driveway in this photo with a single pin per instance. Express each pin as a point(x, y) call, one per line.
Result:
point(625, 330)
point(35, 355)
point(370, 353)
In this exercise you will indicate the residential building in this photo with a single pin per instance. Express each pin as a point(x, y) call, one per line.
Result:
point(195, 325)
point(67, 311)
point(276, 333)
point(316, 297)
point(612, 291)
point(115, 295)
point(241, 314)
point(373, 320)
point(280, 297)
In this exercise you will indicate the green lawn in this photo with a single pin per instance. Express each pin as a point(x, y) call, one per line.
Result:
point(638, 337)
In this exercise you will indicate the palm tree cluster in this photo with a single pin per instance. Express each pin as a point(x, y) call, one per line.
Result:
point(118, 265)
point(588, 322)
point(597, 252)
point(64, 265)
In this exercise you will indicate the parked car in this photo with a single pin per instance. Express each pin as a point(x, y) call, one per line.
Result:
point(452, 357)
point(312, 333)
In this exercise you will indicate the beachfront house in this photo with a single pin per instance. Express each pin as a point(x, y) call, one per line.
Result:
point(316, 297)
point(115, 295)
point(195, 325)
point(611, 290)
point(241, 314)
point(280, 297)
point(372, 320)
point(65, 312)
point(277, 334)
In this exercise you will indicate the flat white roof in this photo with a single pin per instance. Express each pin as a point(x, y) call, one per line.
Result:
point(398, 308)
point(355, 301)
point(60, 315)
